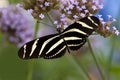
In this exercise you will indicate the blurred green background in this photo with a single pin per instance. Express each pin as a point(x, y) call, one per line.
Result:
point(67, 67)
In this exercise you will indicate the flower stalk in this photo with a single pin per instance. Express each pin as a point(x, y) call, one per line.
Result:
point(36, 29)
point(31, 63)
point(110, 58)
point(79, 67)
point(95, 60)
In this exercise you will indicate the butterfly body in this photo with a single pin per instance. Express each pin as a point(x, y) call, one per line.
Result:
point(55, 45)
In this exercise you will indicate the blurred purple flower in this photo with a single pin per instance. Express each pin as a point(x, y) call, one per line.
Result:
point(38, 8)
point(106, 29)
point(15, 25)
point(72, 10)
point(80, 8)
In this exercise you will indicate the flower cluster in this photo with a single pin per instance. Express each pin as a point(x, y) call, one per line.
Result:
point(105, 30)
point(77, 9)
point(15, 25)
point(69, 11)
point(38, 8)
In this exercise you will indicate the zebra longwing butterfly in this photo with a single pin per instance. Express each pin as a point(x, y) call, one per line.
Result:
point(55, 45)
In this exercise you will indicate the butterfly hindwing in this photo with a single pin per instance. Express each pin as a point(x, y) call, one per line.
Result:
point(45, 47)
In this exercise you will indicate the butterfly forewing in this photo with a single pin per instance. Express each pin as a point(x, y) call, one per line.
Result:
point(55, 45)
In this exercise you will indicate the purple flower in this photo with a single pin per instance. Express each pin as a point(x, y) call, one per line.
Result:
point(47, 3)
point(15, 25)
point(76, 9)
point(41, 16)
point(38, 8)
point(80, 8)
point(106, 30)
point(84, 1)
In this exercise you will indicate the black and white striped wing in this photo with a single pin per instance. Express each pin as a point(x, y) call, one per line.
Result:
point(51, 46)
point(80, 30)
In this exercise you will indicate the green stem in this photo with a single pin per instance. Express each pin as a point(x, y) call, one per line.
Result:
point(31, 62)
point(110, 58)
point(46, 24)
point(51, 20)
point(10, 1)
point(49, 17)
point(36, 29)
point(30, 70)
point(94, 58)
point(79, 67)
point(13, 1)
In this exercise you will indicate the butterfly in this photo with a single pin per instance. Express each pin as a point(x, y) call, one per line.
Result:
point(55, 45)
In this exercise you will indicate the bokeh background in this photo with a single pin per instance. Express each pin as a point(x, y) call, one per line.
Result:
point(107, 52)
